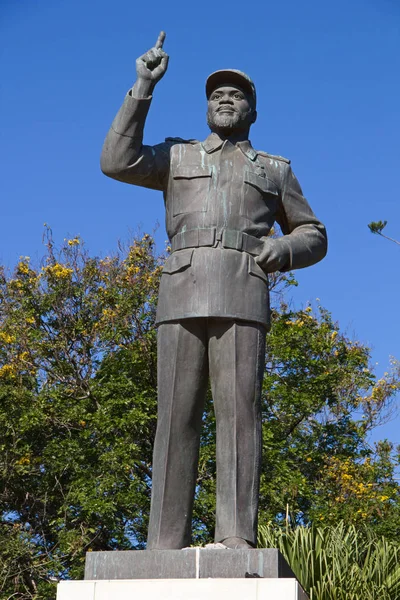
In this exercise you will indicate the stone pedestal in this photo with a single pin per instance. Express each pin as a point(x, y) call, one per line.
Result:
point(191, 574)
point(193, 563)
point(182, 589)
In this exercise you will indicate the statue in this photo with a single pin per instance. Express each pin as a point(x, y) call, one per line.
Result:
point(222, 198)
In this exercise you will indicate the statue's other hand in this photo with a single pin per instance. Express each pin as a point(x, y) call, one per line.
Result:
point(274, 256)
point(153, 64)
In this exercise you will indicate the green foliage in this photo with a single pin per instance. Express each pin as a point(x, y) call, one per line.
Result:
point(77, 406)
point(339, 562)
point(78, 416)
point(377, 226)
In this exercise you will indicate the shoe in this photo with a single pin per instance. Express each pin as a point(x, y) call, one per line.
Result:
point(236, 543)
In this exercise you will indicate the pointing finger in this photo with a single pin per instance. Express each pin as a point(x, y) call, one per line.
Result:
point(160, 40)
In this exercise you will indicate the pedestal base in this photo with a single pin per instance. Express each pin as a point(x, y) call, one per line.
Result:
point(182, 589)
point(191, 563)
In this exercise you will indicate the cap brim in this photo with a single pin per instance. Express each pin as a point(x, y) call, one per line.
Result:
point(225, 77)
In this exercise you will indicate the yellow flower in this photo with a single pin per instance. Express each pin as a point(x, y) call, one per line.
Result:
point(23, 268)
point(132, 270)
point(383, 498)
point(58, 271)
point(30, 320)
point(7, 371)
point(74, 242)
point(308, 459)
point(108, 313)
point(7, 338)
point(333, 335)
point(24, 460)
point(308, 309)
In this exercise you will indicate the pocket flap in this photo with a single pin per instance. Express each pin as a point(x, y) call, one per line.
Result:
point(264, 184)
point(178, 261)
point(192, 171)
point(255, 269)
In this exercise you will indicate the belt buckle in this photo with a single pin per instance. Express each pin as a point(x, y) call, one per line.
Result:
point(232, 239)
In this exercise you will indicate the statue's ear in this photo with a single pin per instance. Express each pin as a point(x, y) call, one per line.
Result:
point(254, 116)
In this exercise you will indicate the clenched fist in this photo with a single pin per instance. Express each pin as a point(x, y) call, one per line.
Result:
point(275, 255)
point(150, 68)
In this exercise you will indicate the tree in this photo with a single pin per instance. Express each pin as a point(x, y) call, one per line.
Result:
point(78, 415)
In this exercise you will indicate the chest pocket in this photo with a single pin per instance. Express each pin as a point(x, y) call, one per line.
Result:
point(191, 186)
point(260, 197)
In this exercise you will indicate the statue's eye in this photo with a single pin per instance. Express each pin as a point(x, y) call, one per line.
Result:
point(238, 97)
point(216, 97)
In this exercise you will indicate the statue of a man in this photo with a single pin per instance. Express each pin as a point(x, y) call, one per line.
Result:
point(222, 198)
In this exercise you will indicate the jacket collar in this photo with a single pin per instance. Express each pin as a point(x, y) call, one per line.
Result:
point(214, 142)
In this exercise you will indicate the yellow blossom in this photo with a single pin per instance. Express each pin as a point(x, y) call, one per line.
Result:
point(23, 268)
point(7, 338)
point(333, 335)
point(58, 271)
point(299, 322)
point(74, 242)
point(24, 460)
point(308, 459)
point(384, 498)
point(7, 371)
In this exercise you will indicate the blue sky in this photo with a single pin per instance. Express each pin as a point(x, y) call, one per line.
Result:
point(327, 77)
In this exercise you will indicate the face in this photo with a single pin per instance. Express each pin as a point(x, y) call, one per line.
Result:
point(230, 110)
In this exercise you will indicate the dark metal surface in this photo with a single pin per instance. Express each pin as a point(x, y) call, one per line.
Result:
point(222, 197)
point(186, 564)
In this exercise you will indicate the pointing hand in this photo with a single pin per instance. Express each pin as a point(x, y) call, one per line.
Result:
point(152, 66)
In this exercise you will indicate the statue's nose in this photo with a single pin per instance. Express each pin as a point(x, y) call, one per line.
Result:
point(226, 100)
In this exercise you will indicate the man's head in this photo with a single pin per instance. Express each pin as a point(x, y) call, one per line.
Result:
point(231, 102)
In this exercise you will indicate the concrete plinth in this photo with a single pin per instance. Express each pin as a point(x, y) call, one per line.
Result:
point(182, 589)
point(192, 563)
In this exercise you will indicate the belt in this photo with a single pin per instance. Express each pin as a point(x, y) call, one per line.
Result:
point(229, 238)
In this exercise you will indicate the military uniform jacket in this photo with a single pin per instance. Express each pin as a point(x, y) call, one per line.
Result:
point(221, 202)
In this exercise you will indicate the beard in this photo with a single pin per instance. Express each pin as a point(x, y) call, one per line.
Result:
point(229, 122)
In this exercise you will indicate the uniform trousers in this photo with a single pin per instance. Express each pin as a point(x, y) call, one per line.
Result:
point(232, 354)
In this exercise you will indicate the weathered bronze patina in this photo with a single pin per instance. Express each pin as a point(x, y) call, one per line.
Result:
point(222, 198)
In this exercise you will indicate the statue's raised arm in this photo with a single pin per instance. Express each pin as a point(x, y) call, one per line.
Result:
point(124, 157)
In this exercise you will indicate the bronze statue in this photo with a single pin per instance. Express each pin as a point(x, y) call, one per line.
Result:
point(222, 198)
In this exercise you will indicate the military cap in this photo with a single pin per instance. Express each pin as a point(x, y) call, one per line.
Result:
point(233, 76)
